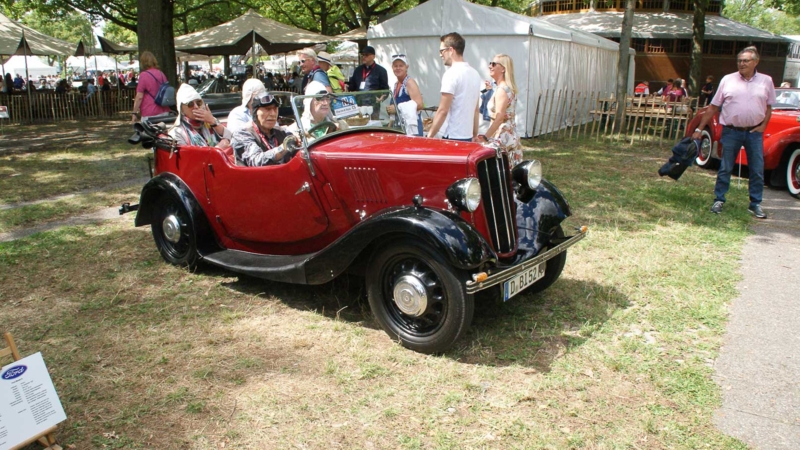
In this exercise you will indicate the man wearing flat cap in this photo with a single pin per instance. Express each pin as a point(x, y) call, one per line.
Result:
point(368, 76)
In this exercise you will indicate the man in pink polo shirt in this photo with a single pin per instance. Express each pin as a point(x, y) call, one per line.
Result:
point(746, 98)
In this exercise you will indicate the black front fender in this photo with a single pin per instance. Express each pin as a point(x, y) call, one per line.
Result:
point(539, 214)
point(444, 232)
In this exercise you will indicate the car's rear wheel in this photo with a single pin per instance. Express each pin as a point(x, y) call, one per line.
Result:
point(793, 173)
point(553, 270)
point(704, 158)
point(174, 232)
point(417, 297)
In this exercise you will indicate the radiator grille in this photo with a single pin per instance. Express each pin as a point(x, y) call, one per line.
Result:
point(494, 175)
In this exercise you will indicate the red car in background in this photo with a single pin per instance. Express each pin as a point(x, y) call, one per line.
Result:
point(781, 142)
point(427, 222)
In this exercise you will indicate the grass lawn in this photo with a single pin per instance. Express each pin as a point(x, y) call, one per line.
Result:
point(617, 354)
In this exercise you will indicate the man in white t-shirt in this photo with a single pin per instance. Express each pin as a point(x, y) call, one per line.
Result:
point(457, 114)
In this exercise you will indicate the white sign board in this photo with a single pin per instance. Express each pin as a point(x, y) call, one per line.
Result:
point(345, 106)
point(4, 112)
point(29, 404)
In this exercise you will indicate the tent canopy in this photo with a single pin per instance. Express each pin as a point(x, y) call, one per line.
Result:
point(34, 42)
point(546, 56)
point(115, 49)
point(36, 67)
point(236, 37)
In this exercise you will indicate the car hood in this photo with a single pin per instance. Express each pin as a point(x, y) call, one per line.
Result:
point(385, 145)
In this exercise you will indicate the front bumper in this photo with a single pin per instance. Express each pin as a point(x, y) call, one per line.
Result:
point(494, 279)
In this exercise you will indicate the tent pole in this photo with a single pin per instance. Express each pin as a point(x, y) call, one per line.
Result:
point(253, 52)
point(27, 76)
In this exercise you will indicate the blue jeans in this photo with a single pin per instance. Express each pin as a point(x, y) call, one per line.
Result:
point(732, 140)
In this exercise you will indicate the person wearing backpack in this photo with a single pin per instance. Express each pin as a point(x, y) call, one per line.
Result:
point(150, 84)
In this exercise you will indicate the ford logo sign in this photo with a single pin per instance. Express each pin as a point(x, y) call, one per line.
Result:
point(14, 372)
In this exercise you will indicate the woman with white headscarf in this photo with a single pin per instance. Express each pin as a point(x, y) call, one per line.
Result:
point(195, 124)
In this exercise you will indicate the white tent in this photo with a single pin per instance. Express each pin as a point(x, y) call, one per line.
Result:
point(94, 62)
point(546, 56)
point(36, 67)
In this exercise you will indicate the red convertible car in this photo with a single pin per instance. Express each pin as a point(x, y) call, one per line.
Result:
point(781, 142)
point(427, 222)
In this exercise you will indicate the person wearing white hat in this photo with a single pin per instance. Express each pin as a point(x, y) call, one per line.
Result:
point(316, 110)
point(239, 117)
point(311, 70)
point(407, 96)
point(335, 75)
point(195, 124)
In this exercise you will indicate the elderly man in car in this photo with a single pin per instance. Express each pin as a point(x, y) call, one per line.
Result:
point(262, 142)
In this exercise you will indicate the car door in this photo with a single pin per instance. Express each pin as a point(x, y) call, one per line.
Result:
point(265, 204)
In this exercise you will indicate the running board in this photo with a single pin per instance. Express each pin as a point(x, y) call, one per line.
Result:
point(284, 268)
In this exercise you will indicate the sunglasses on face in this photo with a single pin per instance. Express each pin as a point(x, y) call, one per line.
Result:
point(492, 64)
point(441, 50)
point(303, 61)
point(195, 104)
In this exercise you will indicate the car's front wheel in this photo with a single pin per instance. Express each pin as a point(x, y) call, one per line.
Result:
point(418, 297)
point(793, 173)
point(704, 158)
point(174, 232)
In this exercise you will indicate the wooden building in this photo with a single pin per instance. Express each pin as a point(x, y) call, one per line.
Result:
point(662, 36)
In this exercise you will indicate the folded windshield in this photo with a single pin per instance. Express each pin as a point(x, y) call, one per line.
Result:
point(787, 99)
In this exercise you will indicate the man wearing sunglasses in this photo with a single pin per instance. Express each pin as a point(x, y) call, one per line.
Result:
point(263, 142)
point(311, 70)
point(457, 114)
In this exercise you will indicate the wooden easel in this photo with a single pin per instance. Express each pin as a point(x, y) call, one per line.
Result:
point(46, 438)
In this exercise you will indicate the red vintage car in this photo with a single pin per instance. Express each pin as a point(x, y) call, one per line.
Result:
point(781, 142)
point(427, 222)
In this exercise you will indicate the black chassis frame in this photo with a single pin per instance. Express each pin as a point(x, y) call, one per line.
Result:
point(444, 231)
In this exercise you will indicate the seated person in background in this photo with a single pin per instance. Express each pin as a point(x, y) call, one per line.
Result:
point(195, 124)
point(262, 142)
point(676, 93)
point(239, 117)
point(317, 110)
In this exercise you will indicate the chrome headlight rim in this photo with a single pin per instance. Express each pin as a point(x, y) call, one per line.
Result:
point(528, 174)
point(465, 194)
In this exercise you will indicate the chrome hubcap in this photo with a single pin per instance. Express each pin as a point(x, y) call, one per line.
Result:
point(797, 174)
point(705, 149)
point(410, 295)
point(172, 229)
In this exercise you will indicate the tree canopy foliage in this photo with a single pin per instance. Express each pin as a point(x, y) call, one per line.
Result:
point(778, 17)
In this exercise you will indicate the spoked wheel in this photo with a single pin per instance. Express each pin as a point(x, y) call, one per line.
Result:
point(417, 297)
point(793, 173)
point(174, 233)
point(553, 269)
point(704, 158)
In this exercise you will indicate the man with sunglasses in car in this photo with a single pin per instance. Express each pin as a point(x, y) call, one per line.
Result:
point(263, 142)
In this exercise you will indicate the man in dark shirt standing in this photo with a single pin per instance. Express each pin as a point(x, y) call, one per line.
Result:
point(368, 76)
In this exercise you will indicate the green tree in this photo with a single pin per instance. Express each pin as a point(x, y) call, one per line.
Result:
point(771, 16)
point(70, 27)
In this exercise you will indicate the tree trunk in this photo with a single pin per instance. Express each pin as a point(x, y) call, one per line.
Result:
point(624, 64)
point(696, 58)
point(155, 34)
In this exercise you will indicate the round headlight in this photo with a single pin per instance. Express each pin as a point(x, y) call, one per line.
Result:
point(472, 198)
point(465, 194)
point(534, 173)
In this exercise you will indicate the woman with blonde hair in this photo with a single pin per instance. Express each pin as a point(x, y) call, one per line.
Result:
point(150, 80)
point(502, 109)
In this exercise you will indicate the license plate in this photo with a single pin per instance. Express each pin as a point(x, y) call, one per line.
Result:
point(522, 280)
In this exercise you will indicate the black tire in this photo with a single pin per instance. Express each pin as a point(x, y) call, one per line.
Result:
point(793, 173)
point(553, 270)
point(447, 311)
point(704, 158)
point(169, 211)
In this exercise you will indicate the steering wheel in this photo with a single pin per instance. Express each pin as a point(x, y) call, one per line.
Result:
point(290, 144)
point(321, 129)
